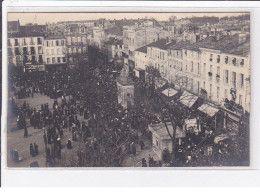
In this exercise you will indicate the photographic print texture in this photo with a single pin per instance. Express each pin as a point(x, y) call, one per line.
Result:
point(128, 89)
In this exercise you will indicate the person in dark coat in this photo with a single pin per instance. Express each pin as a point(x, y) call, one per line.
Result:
point(141, 143)
point(25, 132)
point(69, 144)
point(32, 150)
point(36, 149)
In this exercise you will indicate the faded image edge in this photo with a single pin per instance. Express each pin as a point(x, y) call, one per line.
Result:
point(128, 90)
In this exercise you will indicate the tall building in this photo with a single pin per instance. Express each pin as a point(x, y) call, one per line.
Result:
point(25, 48)
point(55, 50)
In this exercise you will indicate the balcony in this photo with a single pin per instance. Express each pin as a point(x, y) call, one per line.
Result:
point(32, 43)
point(40, 52)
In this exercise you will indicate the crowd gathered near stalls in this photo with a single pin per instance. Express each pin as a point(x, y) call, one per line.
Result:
point(84, 103)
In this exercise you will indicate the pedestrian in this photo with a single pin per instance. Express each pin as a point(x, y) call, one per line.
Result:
point(69, 144)
point(36, 149)
point(141, 143)
point(25, 132)
point(31, 150)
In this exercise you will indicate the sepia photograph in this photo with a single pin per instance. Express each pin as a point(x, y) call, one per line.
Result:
point(128, 89)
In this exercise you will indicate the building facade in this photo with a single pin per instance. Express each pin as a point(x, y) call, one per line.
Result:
point(25, 49)
point(55, 50)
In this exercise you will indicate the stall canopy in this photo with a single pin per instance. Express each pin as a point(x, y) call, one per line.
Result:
point(169, 92)
point(137, 71)
point(161, 130)
point(188, 99)
point(159, 83)
point(208, 109)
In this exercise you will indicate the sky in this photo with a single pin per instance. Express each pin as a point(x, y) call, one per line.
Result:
point(42, 18)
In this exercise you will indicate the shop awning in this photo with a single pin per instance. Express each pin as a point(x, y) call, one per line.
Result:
point(188, 99)
point(169, 92)
point(208, 109)
point(159, 83)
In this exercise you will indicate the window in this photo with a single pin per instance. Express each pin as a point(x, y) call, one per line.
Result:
point(226, 59)
point(58, 59)
point(217, 92)
point(210, 91)
point(242, 62)
point(211, 57)
point(191, 84)
point(39, 41)
point(48, 60)
point(204, 68)
point(24, 42)
point(57, 43)
point(198, 68)
point(204, 85)
point(40, 59)
point(240, 99)
point(198, 89)
point(234, 61)
point(63, 59)
point(32, 50)
point(58, 51)
point(234, 79)
point(70, 51)
point(53, 60)
point(218, 75)
point(17, 52)
point(25, 51)
point(9, 43)
point(218, 59)
point(62, 42)
point(226, 76)
point(47, 52)
point(226, 93)
point(40, 51)
point(241, 80)
point(69, 40)
point(47, 43)
point(191, 66)
point(16, 42)
point(33, 59)
point(52, 51)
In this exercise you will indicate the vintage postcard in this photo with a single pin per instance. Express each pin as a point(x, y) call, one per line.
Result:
point(128, 89)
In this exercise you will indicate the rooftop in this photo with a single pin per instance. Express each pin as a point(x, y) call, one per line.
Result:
point(13, 25)
point(113, 41)
point(54, 37)
point(226, 44)
point(21, 35)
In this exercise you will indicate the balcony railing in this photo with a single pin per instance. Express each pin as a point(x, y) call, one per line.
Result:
point(32, 43)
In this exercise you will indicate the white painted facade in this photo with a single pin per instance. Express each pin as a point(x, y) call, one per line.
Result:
point(55, 51)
